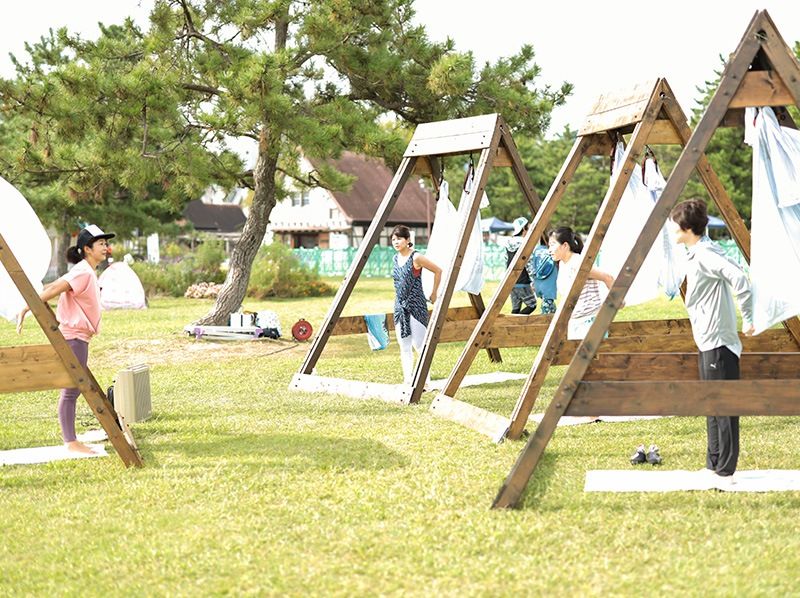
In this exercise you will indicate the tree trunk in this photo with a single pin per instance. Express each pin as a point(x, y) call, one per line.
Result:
point(234, 288)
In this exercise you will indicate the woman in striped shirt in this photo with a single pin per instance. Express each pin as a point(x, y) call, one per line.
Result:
point(565, 247)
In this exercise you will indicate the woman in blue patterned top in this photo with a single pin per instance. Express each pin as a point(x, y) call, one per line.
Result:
point(410, 307)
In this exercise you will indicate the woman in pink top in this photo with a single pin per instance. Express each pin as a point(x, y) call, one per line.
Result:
point(78, 314)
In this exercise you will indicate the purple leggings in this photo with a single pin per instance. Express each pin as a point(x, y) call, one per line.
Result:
point(69, 396)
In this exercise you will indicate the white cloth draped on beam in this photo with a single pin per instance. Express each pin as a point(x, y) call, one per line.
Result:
point(663, 266)
point(444, 242)
point(28, 240)
point(775, 228)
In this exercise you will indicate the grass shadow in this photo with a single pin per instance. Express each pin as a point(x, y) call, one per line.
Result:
point(298, 451)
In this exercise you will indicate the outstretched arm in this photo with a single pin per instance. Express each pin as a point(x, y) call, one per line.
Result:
point(50, 291)
point(604, 277)
point(420, 261)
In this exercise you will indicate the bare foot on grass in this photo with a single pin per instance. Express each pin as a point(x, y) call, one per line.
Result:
point(78, 447)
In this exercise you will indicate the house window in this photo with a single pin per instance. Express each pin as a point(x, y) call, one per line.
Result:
point(295, 200)
point(305, 197)
point(334, 213)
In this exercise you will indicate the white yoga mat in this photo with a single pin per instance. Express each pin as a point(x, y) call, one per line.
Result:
point(756, 480)
point(46, 454)
point(478, 379)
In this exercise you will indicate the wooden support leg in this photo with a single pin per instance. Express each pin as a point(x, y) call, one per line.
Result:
point(558, 326)
point(451, 275)
point(477, 303)
point(540, 222)
point(370, 240)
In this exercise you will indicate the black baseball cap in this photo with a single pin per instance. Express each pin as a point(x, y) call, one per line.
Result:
point(90, 234)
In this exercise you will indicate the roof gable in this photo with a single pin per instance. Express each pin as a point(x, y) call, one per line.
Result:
point(372, 179)
point(218, 218)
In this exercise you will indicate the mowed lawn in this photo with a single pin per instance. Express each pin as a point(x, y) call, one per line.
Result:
point(249, 489)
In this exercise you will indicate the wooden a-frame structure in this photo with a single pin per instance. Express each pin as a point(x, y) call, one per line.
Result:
point(487, 135)
point(650, 112)
point(44, 367)
point(761, 72)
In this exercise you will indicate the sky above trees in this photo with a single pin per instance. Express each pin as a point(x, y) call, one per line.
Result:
point(595, 46)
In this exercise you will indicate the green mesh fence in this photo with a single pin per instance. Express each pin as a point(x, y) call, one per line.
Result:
point(733, 252)
point(336, 262)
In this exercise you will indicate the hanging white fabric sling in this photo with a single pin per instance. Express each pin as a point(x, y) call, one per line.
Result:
point(30, 244)
point(775, 228)
point(661, 266)
point(672, 257)
point(444, 241)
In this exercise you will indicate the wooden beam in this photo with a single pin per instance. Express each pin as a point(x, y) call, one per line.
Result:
point(357, 325)
point(535, 230)
point(770, 341)
point(502, 158)
point(515, 483)
point(470, 213)
point(558, 328)
point(523, 468)
point(478, 305)
point(618, 108)
point(782, 58)
point(663, 133)
point(599, 144)
point(708, 397)
point(518, 168)
point(487, 423)
point(32, 367)
point(761, 88)
point(450, 137)
point(635, 367)
point(521, 331)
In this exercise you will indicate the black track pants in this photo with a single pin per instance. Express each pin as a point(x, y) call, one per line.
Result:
point(723, 431)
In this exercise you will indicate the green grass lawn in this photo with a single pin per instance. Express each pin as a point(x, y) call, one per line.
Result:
point(250, 489)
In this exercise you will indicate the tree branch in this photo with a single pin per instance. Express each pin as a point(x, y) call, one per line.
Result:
point(192, 32)
point(202, 88)
point(310, 181)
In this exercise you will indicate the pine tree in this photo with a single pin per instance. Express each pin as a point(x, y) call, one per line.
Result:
point(296, 77)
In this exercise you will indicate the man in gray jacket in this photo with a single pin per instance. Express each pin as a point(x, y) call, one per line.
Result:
point(712, 280)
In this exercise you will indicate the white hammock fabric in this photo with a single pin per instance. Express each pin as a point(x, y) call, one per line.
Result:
point(775, 229)
point(444, 241)
point(28, 240)
point(663, 264)
point(120, 288)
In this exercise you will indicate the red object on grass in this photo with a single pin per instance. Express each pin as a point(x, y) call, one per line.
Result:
point(302, 330)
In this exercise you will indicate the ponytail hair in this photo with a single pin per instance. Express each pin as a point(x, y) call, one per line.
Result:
point(564, 234)
point(74, 255)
